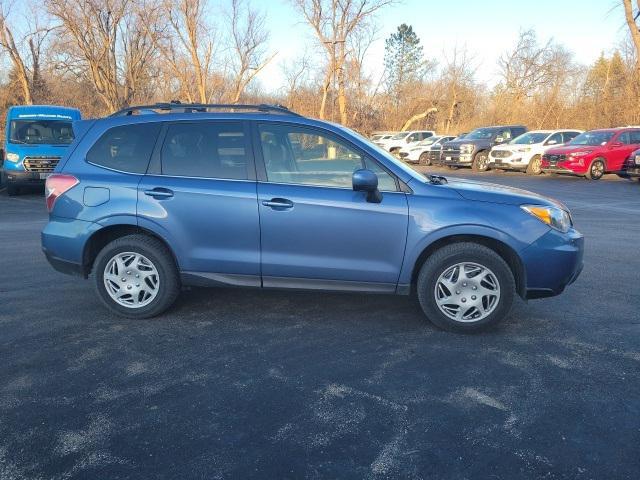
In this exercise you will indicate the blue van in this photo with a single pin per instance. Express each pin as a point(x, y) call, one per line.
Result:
point(36, 137)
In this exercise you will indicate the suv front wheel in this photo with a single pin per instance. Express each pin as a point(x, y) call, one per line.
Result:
point(465, 287)
point(136, 277)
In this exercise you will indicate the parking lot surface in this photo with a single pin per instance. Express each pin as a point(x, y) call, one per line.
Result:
point(236, 383)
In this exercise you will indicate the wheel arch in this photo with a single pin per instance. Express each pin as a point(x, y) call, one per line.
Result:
point(506, 252)
point(100, 238)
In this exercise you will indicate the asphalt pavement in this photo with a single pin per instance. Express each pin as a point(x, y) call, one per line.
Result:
point(237, 383)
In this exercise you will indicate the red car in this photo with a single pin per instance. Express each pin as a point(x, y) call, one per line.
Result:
point(593, 153)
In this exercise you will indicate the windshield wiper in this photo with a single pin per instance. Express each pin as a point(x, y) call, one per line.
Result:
point(438, 179)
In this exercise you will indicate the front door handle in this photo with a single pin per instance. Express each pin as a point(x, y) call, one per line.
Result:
point(159, 193)
point(278, 203)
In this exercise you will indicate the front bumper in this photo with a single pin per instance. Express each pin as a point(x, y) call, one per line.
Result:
point(552, 262)
point(632, 172)
point(457, 159)
point(22, 178)
point(510, 163)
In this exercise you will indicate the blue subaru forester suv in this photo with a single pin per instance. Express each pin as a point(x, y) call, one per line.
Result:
point(157, 197)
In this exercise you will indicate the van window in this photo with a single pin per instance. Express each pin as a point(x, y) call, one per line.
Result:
point(206, 149)
point(126, 148)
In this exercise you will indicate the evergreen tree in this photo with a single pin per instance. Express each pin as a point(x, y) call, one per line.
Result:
point(403, 59)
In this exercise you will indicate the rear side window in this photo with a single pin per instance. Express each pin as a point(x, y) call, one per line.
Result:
point(126, 148)
point(206, 149)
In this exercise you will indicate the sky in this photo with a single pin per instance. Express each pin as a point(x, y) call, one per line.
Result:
point(486, 27)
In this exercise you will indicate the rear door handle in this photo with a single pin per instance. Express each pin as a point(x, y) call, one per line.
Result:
point(278, 203)
point(159, 193)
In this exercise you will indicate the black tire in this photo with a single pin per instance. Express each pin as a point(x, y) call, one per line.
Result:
point(481, 161)
point(534, 167)
point(443, 259)
point(13, 190)
point(424, 159)
point(596, 170)
point(162, 260)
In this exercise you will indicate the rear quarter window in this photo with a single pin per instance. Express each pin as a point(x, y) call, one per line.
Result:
point(126, 148)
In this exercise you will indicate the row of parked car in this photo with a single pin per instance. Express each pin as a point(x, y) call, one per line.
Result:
point(512, 147)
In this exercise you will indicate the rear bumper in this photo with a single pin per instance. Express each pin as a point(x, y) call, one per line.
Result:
point(63, 243)
point(553, 262)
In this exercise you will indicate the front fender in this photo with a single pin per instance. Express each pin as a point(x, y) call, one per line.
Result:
point(432, 219)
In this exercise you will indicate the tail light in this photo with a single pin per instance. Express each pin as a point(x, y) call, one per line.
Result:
point(56, 185)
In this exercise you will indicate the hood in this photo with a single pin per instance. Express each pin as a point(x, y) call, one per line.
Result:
point(477, 143)
point(493, 193)
point(565, 149)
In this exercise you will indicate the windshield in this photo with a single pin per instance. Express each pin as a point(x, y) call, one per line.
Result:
point(592, 138)
point(428, 141)
point(399, 136)
point(387, 155)
point(481, 134)
point(529, 138)
point(41, 132)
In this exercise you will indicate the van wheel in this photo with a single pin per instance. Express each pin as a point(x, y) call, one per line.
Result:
point(136, 277)
point(424, 159)
point(481, 162)
point(535, 166)
point(596, 169)
point(465, 287)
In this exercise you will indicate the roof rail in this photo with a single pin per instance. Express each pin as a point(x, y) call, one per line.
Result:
point(202, 107)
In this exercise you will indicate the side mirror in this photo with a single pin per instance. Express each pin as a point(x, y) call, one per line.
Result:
point(366, 181)
point(499, 139)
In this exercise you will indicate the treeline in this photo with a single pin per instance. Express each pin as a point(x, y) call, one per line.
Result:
point(101, 55)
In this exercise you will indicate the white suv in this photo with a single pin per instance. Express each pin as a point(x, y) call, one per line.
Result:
point(525, 151)
point(404, 139)
point(419, 153)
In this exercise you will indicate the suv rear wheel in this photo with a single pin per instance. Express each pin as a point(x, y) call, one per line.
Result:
point(481, 161)
point(465, 287)
point(136, 277)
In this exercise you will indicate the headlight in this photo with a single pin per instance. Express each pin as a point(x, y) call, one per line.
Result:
point(13, 157)
point(466, 148)
point(552, 216)
point(580, 154)
point(637, 159)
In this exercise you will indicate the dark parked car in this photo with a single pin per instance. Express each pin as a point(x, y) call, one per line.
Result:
point(473, 150)
point(633, 166)
point(258, 196)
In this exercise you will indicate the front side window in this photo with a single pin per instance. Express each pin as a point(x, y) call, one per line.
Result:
point(568, 136)
point(127, 148)
point(307, 157)
point(634, 137)
point(624, 138)
point(206, 149)
point(555, 139)
point(41, 132)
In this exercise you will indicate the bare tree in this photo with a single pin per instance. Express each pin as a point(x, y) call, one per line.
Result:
point(26, 62)
point(186, 45)
point(633, 28)
point(248, 45)
point(333, 22)
point(110, 40)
